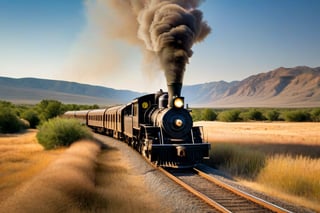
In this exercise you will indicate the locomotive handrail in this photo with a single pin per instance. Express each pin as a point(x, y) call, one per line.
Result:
point(161, 136)
point(192, 138)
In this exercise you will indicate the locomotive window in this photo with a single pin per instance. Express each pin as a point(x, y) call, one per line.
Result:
point(127, 110)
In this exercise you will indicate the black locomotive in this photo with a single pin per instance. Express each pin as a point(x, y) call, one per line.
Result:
point(157, 125)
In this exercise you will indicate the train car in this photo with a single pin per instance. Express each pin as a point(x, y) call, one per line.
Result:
point(82, 116)
point(96, 120)
point(113, 122)
point(69, 114)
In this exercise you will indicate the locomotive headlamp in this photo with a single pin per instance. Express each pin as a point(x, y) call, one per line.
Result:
point(178, 102)
point(178, 123)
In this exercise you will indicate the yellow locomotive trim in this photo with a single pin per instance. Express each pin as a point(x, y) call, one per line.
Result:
point(145, 105)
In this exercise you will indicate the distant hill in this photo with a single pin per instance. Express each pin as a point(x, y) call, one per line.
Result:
point(282, 87)
point(33, 90)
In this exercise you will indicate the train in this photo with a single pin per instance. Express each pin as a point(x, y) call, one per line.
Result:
point(157, 125)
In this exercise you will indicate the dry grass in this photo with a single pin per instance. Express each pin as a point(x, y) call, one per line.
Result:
point(295, 175)
point(68, 184)
point(21, 157)
point(122, 189)
point(306, 133)
point(82, 179)
point(293, 156)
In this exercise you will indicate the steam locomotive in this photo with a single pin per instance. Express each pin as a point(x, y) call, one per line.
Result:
point(157, 125)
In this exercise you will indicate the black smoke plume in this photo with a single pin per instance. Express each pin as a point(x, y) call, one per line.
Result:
point(170, 28)
point(164, 29)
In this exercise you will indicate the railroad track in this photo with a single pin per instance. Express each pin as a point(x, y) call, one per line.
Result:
point(217, 194)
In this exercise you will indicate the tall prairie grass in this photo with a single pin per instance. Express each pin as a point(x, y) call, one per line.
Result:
point(237, 161)
point(299, 175)
point(292, 174)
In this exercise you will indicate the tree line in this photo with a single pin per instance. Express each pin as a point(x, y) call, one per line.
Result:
point(14, 118)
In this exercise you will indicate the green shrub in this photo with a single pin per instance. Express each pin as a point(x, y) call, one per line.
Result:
point(229, 115)
point(237, 160)
point(251, 115)
point(9, 121)
point(272, 115)
point(49, 109)
point(59, 132)
point(196, 114)
point(32, 117)
point(208, 115)
point(315, 115)
point(296, 116)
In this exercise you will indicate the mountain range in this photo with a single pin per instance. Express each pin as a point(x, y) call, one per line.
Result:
point(282, 87)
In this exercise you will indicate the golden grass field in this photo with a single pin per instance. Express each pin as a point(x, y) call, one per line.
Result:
point(292, 168)
point(306, 133)
point(82, 178)
point(26, 168)
point(21, 158)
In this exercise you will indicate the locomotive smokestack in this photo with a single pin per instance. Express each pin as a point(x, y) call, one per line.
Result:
point(174, 90)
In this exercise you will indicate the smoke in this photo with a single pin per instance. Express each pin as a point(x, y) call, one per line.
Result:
point(164, 30)
point(169, 29)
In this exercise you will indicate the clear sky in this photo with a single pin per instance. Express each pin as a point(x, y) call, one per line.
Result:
point(53, 39)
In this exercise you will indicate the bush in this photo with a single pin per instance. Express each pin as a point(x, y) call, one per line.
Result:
point(208, 115)
point(272, 115)
point(49, 109)
point(196, 114)
point(315, 115)
point(32, 117)
point(252, 115)
point(9, 121)
point(229, 115)
point(59, 132)
point(296, 116)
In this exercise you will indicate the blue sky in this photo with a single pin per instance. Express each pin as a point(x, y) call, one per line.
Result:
point(41, 39)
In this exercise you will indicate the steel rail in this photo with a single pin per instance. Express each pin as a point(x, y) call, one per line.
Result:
point(212, 203)
point(205, 198)
point(241, 193)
